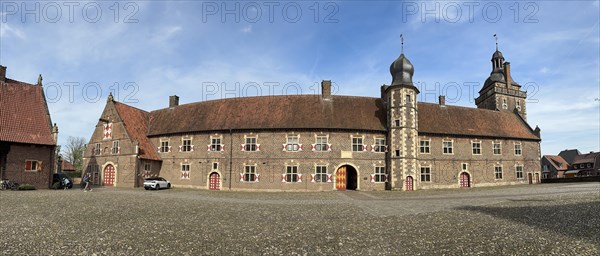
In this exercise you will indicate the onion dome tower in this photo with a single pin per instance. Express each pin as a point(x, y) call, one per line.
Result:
point(400, 98)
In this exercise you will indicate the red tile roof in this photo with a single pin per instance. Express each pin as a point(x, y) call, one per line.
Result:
point(136, 124)
point(340, 112)
point(586, 158)
point(271, 112)
point(558, 162)
point(455, 120)
point(67, 166)
point(24, 115)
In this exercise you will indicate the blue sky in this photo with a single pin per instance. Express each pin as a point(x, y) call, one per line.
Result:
point(208, 50)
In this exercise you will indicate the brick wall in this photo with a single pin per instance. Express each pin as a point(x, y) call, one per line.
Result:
point(15, 165)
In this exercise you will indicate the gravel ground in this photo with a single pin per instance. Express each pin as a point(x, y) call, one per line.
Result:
point(518, 220)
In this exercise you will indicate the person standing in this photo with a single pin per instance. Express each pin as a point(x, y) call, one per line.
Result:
point(86, 179)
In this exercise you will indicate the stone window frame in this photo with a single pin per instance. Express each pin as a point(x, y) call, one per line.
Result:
point(216, 147)
point(518, 104)
point(498, 175)
point(422, 147)
point(184, 147)
point(97, 149)
point(517, 171)
point(321, 147)
point(33, 165)
point(464, 167)
point(379, 148)
point(292, 147)
point(473, 142)
point(185, 168)
point(379, 174)
point(361, 147)
point(320, 177)
point(397, 153)
point(291, 175)
point(519, 150)
point(425, 176)
point(165, 146)
point(250, 146)
point(499, 148)
point(250, 174)
point(397, 122)
point(115, 149)
point(214, 167)
point(504, 103)
point(451, 148)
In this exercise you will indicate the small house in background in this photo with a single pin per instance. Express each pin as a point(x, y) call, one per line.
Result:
point(67, 166)
point(27, 136)
point(553, 167)
point(585, 165)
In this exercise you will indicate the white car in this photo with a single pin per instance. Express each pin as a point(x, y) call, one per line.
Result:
point(156, 183)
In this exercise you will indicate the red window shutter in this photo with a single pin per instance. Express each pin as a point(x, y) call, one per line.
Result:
point(169, 148)
point(243, 147)
point(283, 178)
point(39, 165)
point(299, 177)
point(241, 177)
point(158, 149)
point(372, 177)
point(386, 178)
point(364, 147)
point(192, 148)
point(222, 147)
point(329, 147)
point(283, 148)
point(207, 147)
point(312, 178)
point(300, 147)
point(257, 177)
point(373, 148)
point(329, 179)
point(118, 150)
point(257, 147)
point(28, 165)
point(313, 146)
point(180, 148)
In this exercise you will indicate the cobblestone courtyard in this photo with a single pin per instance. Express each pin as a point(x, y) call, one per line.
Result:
point(535, 219)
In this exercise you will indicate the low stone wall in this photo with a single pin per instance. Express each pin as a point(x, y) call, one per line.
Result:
point(574, 179)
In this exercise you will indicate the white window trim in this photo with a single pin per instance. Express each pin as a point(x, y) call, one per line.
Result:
point(421, 173)
point(183, 139)
point(328, 178)
point(298, 174)
point(185, 175)
point(314, 146)
point(364, 146)
point(520, 148)
point(428, 147)
point(480, 147)
point(494, 151)
point(257, 145)
point(501, 172)
point(160, 146)
point(385, 146)
point(522, 171)
point(452, 141)
point(256, 175)
point(286, 144)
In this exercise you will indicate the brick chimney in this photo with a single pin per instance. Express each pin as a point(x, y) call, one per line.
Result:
point(2, 73)
point(507, 76)
point(442, 100)
point(173, 101)
point(326, 89)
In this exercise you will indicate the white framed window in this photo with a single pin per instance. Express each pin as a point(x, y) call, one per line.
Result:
point(251, 144)
point(320, 173)
point(380, 145)
point(426, 173)
point(464, 166)
point(164, 147)
point(249, 174)
point(147, 170)
point(518, 150)
point(185, 171)
point(424, 146)
point(408, 99)
point(97, 149)
point(447, 147)
point(545, 168)
point(476, 147)
point(380, 175)
point(504, 104)
point(215, 166)
point(321, 143)
point(215, 144)
point(357, 144)
point(497, 148)
point(519, 171)
point(498, 172)
point(293, 143)
point(115, 147)
point(33, 165)
point(291, 173)
point(186, 145)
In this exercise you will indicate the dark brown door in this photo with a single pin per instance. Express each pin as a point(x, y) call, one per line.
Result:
point(409, 183)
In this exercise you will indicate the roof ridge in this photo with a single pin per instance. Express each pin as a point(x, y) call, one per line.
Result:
point(131, 106)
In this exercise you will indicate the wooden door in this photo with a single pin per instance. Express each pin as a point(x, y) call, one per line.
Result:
point(530, 178)
point(109, 175)
point(340, 178)
point(537, 178)
point(409, 183)
point(465, 181)
point(214, 182)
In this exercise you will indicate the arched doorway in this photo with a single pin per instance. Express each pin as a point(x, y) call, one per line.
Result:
point(409, 183)
point(465, 180)
point(109, 175)
point(214, 181)
point(346, 178)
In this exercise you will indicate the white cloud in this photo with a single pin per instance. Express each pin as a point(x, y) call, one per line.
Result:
point(7, 31)
point(247, 29)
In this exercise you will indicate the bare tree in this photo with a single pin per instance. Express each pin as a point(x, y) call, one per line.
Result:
point(73, 151)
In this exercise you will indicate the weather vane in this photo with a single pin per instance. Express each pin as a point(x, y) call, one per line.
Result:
point(401, 43)
point(496, 37)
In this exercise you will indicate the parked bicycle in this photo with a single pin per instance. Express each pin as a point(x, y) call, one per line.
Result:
point(7, 184)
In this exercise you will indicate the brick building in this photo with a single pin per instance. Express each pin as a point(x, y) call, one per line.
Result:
point(27, 137)
point(324, 142)
point(553, 167)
